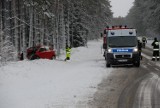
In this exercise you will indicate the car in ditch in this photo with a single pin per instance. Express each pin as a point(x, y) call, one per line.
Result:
point(41, 52)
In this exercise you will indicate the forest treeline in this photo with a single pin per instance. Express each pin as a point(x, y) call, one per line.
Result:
point(26, 23)
point(145, 17)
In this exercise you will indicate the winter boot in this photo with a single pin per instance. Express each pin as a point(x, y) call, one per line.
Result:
point(153, 59)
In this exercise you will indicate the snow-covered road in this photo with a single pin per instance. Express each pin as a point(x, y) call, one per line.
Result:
point(54, 83)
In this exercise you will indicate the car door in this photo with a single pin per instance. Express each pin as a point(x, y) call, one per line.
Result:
point(45, 53)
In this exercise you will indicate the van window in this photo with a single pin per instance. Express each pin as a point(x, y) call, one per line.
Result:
point(122, 41)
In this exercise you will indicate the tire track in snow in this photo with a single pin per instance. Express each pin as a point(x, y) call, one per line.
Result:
point(148, 90)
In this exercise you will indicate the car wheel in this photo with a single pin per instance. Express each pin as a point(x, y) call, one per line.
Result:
point(32, 57)
point(37, 57)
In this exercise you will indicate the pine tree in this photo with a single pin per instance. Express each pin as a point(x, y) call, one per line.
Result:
point(8, 51)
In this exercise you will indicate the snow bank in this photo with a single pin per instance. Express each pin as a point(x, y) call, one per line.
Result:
point(53, 83)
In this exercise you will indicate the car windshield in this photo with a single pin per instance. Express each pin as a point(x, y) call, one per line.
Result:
point(42, 49)
point(122, 41)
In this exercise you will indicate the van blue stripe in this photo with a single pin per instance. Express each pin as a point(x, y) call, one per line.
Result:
point(122, 50)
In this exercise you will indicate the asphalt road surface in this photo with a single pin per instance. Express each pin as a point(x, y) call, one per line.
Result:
point(130, 87)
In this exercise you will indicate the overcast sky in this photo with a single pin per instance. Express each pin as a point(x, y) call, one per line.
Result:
point(121, 7)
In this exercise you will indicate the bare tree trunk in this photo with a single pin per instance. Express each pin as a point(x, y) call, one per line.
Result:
point(34, 27)
point(63, 30)
point(7, 18)
point(36, 31)
point(24, 41)
point(43, 30)
point(1, 35)
point(53, 34)
point(0, 30)
point(21, 13)
point(47, 37)
point(15, 24)
point(23, 32)
point(3, 14)
point(38, 34)
point(57, 26)
point(68, 23)
point(31, 27)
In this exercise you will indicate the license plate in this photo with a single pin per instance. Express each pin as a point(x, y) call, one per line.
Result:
point(124, 60)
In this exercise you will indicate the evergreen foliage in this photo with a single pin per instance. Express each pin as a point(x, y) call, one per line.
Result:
point(27, 23)
point(144, 16)
point(8, 52)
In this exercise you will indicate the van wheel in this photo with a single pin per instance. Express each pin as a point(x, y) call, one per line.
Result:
point(108, 65)
point(137, 64)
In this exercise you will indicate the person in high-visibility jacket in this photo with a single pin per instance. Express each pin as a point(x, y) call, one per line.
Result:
point(155, 45)
point(68, 52)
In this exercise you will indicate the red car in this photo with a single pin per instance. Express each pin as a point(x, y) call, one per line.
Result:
point(38, 52)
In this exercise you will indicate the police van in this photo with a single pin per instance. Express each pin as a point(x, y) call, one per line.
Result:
point(121, 46)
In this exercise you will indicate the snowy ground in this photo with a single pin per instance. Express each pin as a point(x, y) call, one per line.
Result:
point(149, 42)
point(54, 83)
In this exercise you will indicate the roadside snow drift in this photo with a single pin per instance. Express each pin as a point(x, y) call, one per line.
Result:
point(54, 83)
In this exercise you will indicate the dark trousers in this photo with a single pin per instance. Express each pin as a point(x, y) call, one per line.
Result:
point(140, 54)
point(155, 55)
point(143, 45)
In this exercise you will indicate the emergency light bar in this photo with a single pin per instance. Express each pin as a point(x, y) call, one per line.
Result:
point(121, 32)
point(117, 27)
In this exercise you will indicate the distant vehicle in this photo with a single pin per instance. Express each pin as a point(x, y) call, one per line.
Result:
point(38, 52)
point(121, 46)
